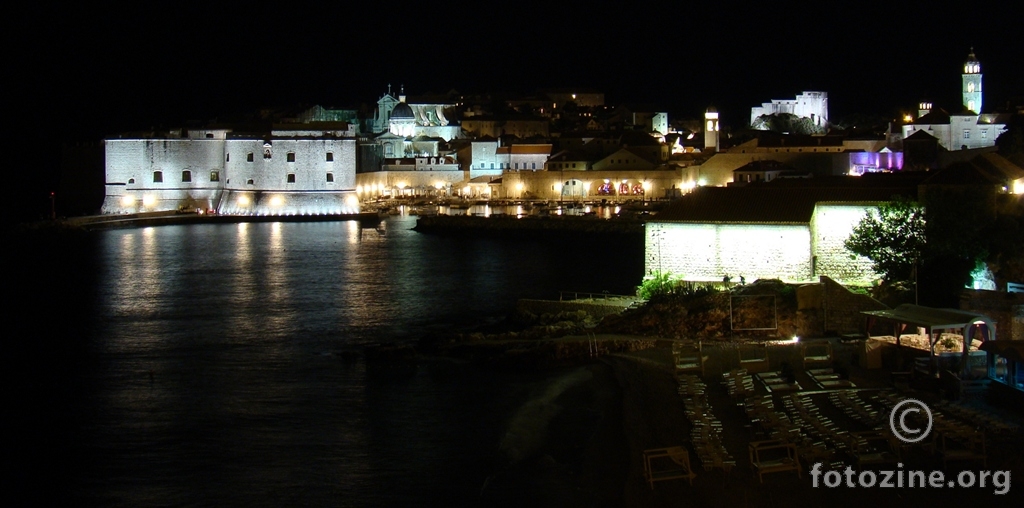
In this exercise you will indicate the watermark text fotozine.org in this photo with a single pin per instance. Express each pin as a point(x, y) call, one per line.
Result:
point(999, 481)
point(910, 433)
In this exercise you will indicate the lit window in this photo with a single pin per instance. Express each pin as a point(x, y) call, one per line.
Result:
point(330, 177)
point(214, 176)
point(248, 158)
point(330, 156)
point(186, 176)
point(291, 177)
point(290, 157)
point(158, 177)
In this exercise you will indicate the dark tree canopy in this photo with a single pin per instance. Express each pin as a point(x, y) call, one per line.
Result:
point(892, 237)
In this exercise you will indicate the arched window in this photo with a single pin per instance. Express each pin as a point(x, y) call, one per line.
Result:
point(186, 176)
point(158, 177)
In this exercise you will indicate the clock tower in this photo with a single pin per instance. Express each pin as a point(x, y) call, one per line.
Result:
point(972, 83)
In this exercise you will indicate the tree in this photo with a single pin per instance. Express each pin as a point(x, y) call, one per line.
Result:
point(892, 236)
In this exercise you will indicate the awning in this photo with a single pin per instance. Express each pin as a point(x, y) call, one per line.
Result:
point(928, 317)
point(940, 319)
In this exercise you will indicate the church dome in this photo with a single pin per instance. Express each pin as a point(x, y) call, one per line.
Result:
point(402, 111)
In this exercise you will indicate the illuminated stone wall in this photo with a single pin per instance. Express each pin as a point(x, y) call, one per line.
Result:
point(790, 252)
point(133, 165)
point(295, 179)
point(831, 225)
point(309, 164)
point(971, 131)
point(709, 252)
point(221, 175)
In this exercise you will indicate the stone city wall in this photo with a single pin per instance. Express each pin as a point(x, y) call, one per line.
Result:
point(709, 252)
point(831, 225)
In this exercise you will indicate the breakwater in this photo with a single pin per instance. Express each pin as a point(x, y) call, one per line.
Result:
point(528, 226)
point(136, 220)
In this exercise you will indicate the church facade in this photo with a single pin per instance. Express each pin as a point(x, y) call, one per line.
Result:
point(966, 129)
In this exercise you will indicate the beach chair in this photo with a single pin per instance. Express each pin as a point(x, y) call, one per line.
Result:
point(874, 448)
point(963, 446)
point(753, 358)
point(773, 456)
point(671, 463)
point(688, 358)
point(817, 353)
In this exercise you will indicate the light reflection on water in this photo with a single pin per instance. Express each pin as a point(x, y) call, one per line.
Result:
point(220, 375)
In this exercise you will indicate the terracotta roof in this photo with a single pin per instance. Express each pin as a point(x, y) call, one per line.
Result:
point(788, 204)
point(938, 116)
point(531, 149)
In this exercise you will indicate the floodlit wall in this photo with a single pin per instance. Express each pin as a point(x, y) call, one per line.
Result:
point(790, 252)
point(960, 132)
point(709, 252)
point(290, 177)
point(831, 225)
point(284, 176)
point(146, 175)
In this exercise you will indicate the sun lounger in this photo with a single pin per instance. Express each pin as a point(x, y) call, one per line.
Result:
point(773, 457)
point(670, 463)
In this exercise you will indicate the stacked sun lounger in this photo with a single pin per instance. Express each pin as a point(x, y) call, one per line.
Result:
point(776, 382)
point(950, 438)
point(739, 383)
point(874, 447)
point(858, 409)
point(706, 430)
point(827, 379)
point(777, 426)
point(990, 422)
point(805, 413)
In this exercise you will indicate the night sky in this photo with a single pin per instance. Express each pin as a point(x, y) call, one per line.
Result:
point(89, 71)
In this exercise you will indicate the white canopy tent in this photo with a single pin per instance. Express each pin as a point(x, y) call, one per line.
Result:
point(934, 321)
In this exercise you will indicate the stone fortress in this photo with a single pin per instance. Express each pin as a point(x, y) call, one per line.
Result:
point(292, 171)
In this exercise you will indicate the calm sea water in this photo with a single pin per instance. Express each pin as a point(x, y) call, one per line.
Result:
point(204, 365)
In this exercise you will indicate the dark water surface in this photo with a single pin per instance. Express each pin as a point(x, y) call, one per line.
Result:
point(204, 365)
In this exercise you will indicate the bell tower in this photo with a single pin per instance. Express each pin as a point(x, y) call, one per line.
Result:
point(972, 83)
point(711, 130)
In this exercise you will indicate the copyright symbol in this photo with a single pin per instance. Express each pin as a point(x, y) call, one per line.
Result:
point(898, 420)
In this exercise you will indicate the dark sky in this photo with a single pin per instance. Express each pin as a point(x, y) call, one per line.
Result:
point(98, 71)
